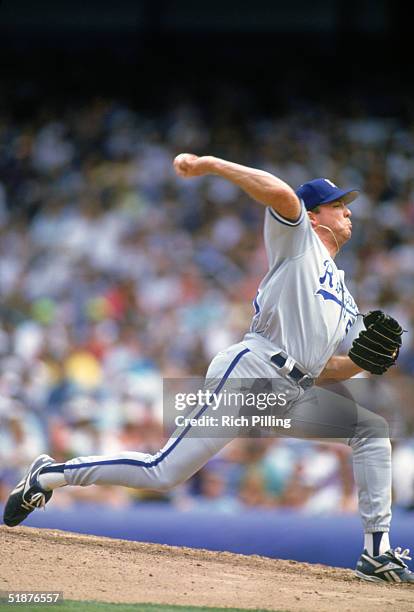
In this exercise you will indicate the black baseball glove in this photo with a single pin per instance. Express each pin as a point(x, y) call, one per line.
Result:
point(377, 347)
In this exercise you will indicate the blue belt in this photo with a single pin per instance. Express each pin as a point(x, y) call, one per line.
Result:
point(303, 379)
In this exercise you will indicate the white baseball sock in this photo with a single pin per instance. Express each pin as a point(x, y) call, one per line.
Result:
point(51, 480)
point(377, 543)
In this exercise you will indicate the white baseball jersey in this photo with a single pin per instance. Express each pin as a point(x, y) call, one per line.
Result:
point(302, 305)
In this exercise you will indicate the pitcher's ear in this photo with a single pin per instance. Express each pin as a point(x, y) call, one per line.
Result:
point(313, 218)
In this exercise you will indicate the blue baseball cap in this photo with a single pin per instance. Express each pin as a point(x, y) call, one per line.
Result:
point(323, 191)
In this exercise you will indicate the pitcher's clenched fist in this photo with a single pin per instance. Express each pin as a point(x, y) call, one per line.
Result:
point(188, 165)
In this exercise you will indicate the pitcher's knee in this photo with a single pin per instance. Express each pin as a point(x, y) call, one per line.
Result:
point(380, 444)
point(373, 428)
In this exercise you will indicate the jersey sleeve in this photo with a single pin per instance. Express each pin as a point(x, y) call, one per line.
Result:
point(286, 239)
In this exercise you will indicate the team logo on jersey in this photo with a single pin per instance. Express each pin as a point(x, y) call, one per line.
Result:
point(333, 289)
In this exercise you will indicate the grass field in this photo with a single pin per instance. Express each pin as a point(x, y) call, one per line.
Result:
point(91, 606)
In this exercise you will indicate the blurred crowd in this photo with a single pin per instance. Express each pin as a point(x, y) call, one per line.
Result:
point(115, 273)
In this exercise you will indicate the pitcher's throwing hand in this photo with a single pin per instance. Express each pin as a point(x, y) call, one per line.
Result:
point(188, 165)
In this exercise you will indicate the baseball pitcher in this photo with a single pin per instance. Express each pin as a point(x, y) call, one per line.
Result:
point(303, 311)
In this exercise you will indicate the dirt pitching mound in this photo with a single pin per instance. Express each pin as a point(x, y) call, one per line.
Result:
point(103, 569)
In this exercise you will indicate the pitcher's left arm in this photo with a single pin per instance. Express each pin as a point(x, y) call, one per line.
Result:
point(339, 367)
